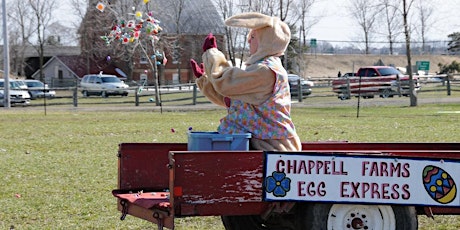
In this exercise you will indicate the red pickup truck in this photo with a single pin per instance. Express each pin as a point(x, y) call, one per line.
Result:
point(385, 81)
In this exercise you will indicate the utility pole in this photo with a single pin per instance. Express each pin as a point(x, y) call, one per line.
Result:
point(6, 61)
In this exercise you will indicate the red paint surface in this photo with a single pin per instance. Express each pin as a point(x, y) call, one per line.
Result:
point(230, 183)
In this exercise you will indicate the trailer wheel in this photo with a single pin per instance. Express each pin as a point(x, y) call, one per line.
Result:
point(277, 222)
point(354, 216)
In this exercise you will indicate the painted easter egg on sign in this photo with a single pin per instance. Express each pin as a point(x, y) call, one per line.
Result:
point(439, 184)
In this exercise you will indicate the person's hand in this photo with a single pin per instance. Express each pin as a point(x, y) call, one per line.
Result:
point(198, 70)
point(209, 42)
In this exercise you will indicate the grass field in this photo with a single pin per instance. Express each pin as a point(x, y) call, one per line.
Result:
point(58, 169)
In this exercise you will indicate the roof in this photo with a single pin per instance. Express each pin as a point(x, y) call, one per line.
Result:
point(77, 66)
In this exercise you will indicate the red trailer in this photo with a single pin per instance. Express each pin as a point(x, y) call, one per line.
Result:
point(340, 185)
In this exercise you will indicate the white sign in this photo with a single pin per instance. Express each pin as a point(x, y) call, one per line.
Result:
point(361, 179)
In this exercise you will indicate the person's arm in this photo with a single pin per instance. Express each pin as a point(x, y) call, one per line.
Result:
point(253, 85)
point(208, 90)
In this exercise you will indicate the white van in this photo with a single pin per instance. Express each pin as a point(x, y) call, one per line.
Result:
point(17, 95)
point(103, 85)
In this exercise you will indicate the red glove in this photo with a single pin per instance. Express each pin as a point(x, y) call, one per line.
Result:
point(209, 42)
point(227, 101)
point(198, 70)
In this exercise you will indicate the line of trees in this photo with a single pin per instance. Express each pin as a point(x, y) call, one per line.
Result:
point(33, 22)
point(384, 18)
point(391, 19)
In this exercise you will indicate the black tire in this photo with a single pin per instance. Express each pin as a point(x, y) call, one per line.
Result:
point(276, 222)
point(343, 97)
point(386, 93)
point(85, 93)
point(316, 216)
point(104, 94)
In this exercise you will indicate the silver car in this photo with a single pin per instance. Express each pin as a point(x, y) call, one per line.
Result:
point(103, 85)
point(294, 85)
point(38, 89)
point(17, 95)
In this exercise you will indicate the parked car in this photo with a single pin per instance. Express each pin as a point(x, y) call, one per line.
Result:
point(294, 85)
point(21, 84)
point(38, 89)
point(103, 85)
point(17, 95)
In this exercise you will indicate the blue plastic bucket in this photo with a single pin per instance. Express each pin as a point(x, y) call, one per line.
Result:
point(210, 141)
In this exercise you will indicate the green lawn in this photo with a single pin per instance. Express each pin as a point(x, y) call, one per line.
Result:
point(58, 169)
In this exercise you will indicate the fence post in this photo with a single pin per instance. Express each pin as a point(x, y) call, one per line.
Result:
point(75, 97)
point(136, 96)
point(299, 89)
point(448, 85)
point(194, 94)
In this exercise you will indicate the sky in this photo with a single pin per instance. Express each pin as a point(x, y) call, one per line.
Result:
point(337, 24)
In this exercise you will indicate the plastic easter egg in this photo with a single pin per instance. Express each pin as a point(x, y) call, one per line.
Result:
point(439, 185)
point(100, 6)
point(138, 14)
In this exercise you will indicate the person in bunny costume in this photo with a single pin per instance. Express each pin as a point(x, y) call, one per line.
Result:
point(257, 98)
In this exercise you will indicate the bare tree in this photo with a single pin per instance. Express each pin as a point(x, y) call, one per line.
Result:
point(291, 11)
point(392, 21)
point(226, 8)
point(42, 13)
point(94, 25)
point(303, 10)
point(284, 8)
point(21, 29)
point(365, 11)
point(412, 93)
point(425, 17)
point(79, 8)
point(178, 6)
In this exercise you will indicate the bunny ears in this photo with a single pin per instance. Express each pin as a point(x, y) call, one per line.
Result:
point(273, 34)
point(251, 20)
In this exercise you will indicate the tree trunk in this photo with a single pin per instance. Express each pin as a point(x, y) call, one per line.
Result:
point(412, 93)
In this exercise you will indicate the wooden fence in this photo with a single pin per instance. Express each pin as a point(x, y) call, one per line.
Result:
point(189, 94)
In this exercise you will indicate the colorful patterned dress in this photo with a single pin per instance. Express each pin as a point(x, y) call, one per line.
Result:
point(269, 120)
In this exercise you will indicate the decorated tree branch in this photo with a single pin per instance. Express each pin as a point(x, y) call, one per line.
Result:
point(140, 28)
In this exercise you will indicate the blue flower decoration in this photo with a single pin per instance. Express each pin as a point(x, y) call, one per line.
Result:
point(278, 184)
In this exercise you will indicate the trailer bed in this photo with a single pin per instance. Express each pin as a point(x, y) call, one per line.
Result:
point(160, 181)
